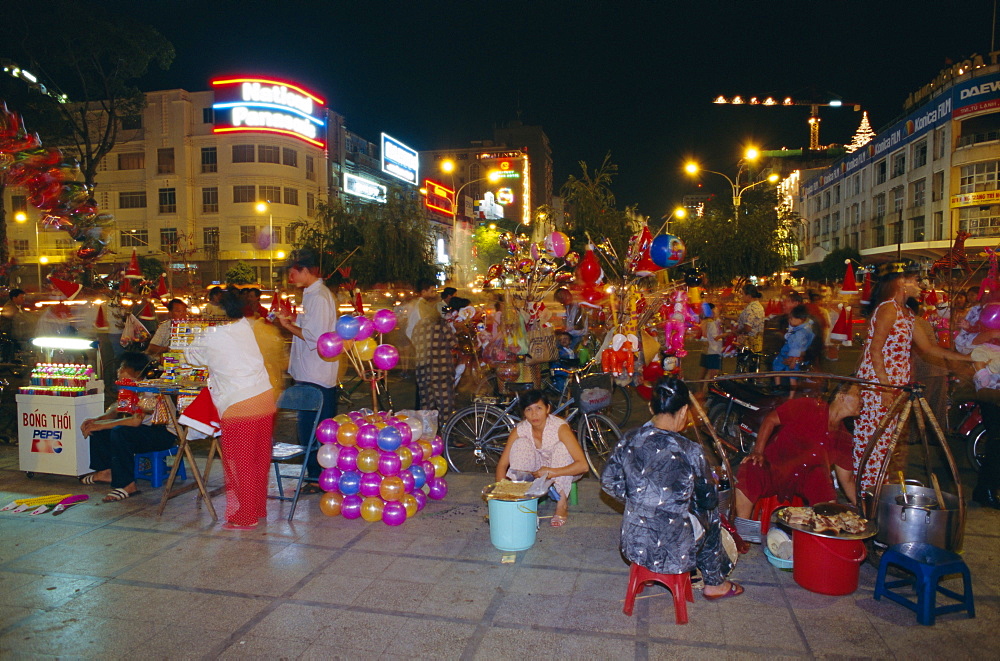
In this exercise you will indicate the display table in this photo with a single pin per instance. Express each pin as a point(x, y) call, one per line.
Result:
point(49, 439)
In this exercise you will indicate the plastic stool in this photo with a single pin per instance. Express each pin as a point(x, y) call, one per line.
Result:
point(678, 584)
point(928, 564)
point(157, 470)
point(553, 495)
point(765, 506)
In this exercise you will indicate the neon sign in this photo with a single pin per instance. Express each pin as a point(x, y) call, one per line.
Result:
point(505, 196)
point(366, 188)
point(439, 197)
point(269, 106)
point(399, 160)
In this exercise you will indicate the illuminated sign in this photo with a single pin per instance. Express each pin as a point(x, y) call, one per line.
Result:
point(399, 160)
point(488, 209)
point(506, 174)
point(439, 197)
point(981, 198)
point(269, 106)
point(366, 188)
point(505, 196)
point(500, 154)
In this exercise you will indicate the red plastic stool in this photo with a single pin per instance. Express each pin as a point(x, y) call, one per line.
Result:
point(678, 584)
point(765, 506)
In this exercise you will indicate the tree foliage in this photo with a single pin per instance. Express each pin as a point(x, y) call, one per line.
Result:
point(832, 268)
point(151, 267)
point(592, 208)
point(241, 274)
point(486, 243)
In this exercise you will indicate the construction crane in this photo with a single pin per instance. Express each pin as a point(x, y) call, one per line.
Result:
point(789, 101)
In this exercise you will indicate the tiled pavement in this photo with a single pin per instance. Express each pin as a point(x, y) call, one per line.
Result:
point(116, 581)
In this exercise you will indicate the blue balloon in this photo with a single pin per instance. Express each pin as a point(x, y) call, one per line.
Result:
point(347, 327)
point(419, 476)
point(667, 250)
point(389, 439)
point(350, 483)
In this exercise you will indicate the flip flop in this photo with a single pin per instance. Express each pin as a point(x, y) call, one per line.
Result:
point(116, 495)
point(235, 526)
point(735, 590)
point(88, 478)
point(558, 521)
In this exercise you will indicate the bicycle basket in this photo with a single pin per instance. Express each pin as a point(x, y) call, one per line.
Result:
point(594, 392)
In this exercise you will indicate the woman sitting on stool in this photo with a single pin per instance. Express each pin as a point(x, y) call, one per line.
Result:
point(543, 444)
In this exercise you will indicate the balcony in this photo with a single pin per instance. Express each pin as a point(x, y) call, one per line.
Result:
point(977, 138)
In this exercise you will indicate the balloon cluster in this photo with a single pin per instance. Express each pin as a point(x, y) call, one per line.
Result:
point(377, 467)
point(354, 334)
point(53, 186)
point(530, 265)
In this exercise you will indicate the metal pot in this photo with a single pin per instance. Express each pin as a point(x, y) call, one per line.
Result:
point(910, 499)
point(899, 523)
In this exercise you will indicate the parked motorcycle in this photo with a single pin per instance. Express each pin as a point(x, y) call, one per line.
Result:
point(736, 410)
point(973, 431)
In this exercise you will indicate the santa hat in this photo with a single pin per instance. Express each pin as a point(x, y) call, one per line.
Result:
point(202, 415)
point(850, 286)
point(125, 286)
point(931, 297)
point(133, 270)
point(866, 289)
point(100, 322)
point(643, 264)
point(275, 305)
point(67, 288)
point(161, 286)
point(841, 331)
point(148, 313)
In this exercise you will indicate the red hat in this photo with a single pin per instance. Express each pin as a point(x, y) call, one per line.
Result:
point(147, 312)
point(850, 286)
point(866, 289)
point(161, 286)
point(202, 415)
point(275, 305)
point(841, 332)
point(125, 286)
point(133, 270)
point(68, 289)
point(100, 322)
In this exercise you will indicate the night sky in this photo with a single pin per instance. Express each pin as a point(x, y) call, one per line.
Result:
point(635, 78)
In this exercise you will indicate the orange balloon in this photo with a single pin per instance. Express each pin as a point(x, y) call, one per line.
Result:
point(347, 434)
point(410, 503)
point(368, 460)
point(348, 344)
point(392, 488)
point(371, 509)
point(405, 457)
point(426, 445)
point(331, 501)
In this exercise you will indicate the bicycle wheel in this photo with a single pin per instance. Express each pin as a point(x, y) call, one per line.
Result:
point(475, 438)
point(489, 387)
point(599, 436)
point(621, 406)
point(975, 446)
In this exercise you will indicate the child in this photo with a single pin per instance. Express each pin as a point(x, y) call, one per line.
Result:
point(567, 358)
point(797, 340)
point(711, 360)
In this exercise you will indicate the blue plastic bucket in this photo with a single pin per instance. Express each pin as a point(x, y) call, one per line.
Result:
point(513, 524)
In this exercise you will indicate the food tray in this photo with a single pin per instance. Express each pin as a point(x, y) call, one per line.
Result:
point(870, 529)
point(783, 565)
point(489, 495)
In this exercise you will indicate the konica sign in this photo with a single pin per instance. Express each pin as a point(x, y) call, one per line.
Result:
point(268, 106)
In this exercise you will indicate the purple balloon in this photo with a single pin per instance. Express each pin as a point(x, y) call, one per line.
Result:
point(990, 316)
point(357, 417)
point(418, 494)
point(349, 483)
point(348, 459)
point(389, 438)
point(417, 451)
point(409, 483)
point(428, 468)
point(326, 432)
point(329, 479)
point(389, 463)
point(367, 436)
point(438, 490)
point(366, 328)
point(370, 483)
point(351, 507)
point(419, 476)
point(437, 446)
point(385, 357)
point(393, 513)
point(347, 327)
point(384, 320)
point(405, 432)
point(329, 345)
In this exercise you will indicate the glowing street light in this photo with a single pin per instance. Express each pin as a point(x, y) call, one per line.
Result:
point(265, 207)
point(679, 213)
point(749, 155)
point(447, 166)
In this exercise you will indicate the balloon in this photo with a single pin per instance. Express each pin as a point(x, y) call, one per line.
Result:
point(405, 457)
point(389, 438)
point(408, 481)
point(438, 490)
point(365, 349)
point(347, 327)
point(572, 258)
point(368, 460)
point(419, 476)
point(370, 483)
point(525, 266)
point(350, 507)
point(409, 502)
point(392, 488)
point(421, 499)
point(416, 426)
point(350, 483)
point(331, 503)
point(394, 514)
point(440, 466)
point(342, 418)
point(328, 455)
point(367, 436)
point(357, 417)
point(417, 451)
point(428, 449)
point(347, 435)
point(667, 250)
point(389, 463)
point(326, 432)
point(371, 509)
point(428, 469)
point(385, 357)
point(329, 345)
point(384, 320)
point(589, 272)
point(990, 316)
point(437, 446)
point(366, 328)
point(557, 243)
point(329, 479)
point(348, 459)
point(405, 433)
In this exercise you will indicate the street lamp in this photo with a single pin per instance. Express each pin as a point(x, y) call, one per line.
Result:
point(265, 207)
point(679, 213)
point(448, 167)
point(22, 217)
point(751, 154)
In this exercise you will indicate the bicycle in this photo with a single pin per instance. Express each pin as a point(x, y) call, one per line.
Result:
point(356, 393)
point(476, 435)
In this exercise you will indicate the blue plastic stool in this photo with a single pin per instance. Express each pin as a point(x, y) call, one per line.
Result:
point(152, 466)
point(928, 564)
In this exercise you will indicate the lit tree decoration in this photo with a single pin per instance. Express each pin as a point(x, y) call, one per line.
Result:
point(862, 136)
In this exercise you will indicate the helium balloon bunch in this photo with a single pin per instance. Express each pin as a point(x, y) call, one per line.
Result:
point(354, 338)
point(53, 186)
point(378, 467)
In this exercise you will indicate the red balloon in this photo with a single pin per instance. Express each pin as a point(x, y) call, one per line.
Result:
point(590, 269)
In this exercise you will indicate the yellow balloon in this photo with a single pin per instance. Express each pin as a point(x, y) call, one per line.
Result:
point(380, 425)
point(405, 457)
point(331, 501)
point(440, 465)
point(410, 503)
point(365, 349)
point(392, 488)
point(368, 460)
point(342, 418)
point(371, 509)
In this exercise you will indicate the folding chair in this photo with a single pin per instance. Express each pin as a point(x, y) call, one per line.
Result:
point(296, 398)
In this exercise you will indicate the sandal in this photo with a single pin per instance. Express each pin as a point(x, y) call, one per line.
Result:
point(236, 526)
point(735, 590)
point(88, 478)
point(116, 495)
point(558, 521)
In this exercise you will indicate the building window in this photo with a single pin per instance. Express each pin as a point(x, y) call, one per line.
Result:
point(19, 203)
point(826, 200)
point(938, 225)
point(939, 143)
point(165, 161)
point(132, 200)
point(248, 234)
point(897, 198)
point(275, 235)
point(271, 194)
point(290, 235)
point(208, 115)
point(857, 184)
point(292, 196)
point(20, 246)
point(243, 153)
point(244, 194)
point(816, 227)
point(134, 238)
point(209, 159)
point(310, 205)
point(210, 200)
point(978, 177)
point(919, 192)
point(980, 221)
point(168, 200)
point(131, 122)
point(835, 221)
point(918, 229)
point(268, 154)
point(826, 224)
point(290, 157)
point(168, 239)
point(880, 206)
point(836, 194)
point(920, 154)
point(132, 161)
point(898, 164)
point(878, 236)
point(210, 235)
point(880, 172)
point(310, 168)
point(937, 186)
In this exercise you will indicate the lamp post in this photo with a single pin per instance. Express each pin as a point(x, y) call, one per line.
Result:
point(679, 212)
point(751, 154)
point(262, 207)
point(22, 217)
point(448, 167)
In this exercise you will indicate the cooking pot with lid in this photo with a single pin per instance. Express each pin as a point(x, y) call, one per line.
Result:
point(917, 518)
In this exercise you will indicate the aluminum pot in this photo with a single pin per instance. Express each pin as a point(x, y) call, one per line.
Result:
point(910, 523)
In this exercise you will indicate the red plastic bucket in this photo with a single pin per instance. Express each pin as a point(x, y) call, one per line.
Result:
point(826, 565)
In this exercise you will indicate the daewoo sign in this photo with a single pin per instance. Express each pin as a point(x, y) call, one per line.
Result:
point(268, 106)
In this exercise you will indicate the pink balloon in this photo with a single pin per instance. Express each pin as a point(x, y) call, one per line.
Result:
point(404, 430)
point(366, 328)
point(418, 453)
point(990, 316)
point(356, 417)
point(408, 481)
point(428, 468)
point(437, 446)
point(394, 513)
point(385, 357)
point(370, 483)
point(419, 495)
point(384, 320)
point(329, 479)
point(348, 459)
point(438, 489)
point(326, 432)
point(329, 345)
point(351, 507)
point(367, 436)
point(389, 463)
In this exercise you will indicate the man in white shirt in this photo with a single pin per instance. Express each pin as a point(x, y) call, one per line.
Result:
point(306, 366)
point(160, 343)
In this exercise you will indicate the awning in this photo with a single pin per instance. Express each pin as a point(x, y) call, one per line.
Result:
point(814, 257)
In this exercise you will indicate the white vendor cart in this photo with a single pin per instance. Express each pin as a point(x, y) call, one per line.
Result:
point(49, 436)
